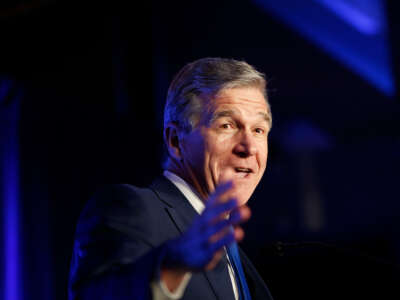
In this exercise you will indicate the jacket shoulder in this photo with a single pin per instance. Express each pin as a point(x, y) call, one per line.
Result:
point(127, 208)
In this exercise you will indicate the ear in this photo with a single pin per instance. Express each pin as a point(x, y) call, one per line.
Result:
point(171, 139)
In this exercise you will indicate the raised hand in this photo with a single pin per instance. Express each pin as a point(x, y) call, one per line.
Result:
point(201, 246)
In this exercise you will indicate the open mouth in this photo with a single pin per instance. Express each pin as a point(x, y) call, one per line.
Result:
point(243, 172)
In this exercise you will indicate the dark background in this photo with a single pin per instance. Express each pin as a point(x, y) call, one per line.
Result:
point(82, 89)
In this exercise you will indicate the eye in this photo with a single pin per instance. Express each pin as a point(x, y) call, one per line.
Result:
point(259, 130)
point(226, 126)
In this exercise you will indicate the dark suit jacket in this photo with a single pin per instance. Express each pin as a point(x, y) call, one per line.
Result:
point(120, 241)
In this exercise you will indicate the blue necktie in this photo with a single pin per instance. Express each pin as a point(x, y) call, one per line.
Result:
point(233, 252)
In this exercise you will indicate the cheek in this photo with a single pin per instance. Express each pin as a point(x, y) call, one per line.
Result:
point(264, 160)
point(194, 148)
point(263, 154)
point(218, 153)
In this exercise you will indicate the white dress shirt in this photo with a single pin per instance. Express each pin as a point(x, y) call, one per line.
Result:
point(159, 289)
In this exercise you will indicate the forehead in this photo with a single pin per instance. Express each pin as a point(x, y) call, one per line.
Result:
point(241, 101)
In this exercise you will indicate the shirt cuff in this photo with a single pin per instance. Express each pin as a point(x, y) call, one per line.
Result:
point(161, 292)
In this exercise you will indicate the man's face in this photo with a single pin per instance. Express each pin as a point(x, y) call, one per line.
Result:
point(229, 143)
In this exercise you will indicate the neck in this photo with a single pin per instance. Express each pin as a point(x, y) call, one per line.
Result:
point(188, 175)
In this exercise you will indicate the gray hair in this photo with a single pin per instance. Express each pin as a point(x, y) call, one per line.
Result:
point(204, 79)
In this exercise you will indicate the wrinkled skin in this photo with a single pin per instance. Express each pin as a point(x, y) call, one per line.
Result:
point(223, 158)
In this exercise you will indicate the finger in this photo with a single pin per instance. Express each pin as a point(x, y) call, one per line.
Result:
point(240, 214)
point(214, 229)
point(219, 192)
point(222, 228)
point(214, 261)
point(238, 233)
point(225, 240)
point(203, 226)
point(217, 234)
point(219, 210)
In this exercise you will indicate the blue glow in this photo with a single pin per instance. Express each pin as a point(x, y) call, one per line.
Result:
point(352, 31)
point(304, 136)
point(366, 16)
point(11, 227)
point(11, 232)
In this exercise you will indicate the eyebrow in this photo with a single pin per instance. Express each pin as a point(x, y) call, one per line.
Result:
point(230, 113)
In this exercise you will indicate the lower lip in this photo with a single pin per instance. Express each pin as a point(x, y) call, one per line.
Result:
point(242, 175)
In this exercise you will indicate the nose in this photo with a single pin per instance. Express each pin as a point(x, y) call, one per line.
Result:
point(246, 146)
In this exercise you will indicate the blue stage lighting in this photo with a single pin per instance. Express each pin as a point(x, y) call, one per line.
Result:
point(9, 185)
point(352, 31)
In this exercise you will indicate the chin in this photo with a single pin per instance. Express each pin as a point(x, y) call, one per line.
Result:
point(243, 193)
point(243, 201)
point(243, 196)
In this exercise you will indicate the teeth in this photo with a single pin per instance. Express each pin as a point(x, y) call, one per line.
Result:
point(242, 170)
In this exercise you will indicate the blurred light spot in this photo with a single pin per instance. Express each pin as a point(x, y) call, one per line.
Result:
point(352, 31)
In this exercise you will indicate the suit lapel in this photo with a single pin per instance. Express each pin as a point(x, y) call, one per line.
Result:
point(181, 211)
point(220, 281)
point(182, 214)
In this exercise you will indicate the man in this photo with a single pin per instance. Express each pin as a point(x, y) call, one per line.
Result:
point(177, 238)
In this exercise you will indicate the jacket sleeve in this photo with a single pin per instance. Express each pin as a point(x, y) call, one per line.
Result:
point(116, 254)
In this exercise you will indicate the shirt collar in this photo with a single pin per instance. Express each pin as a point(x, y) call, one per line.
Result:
point(188, 191)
